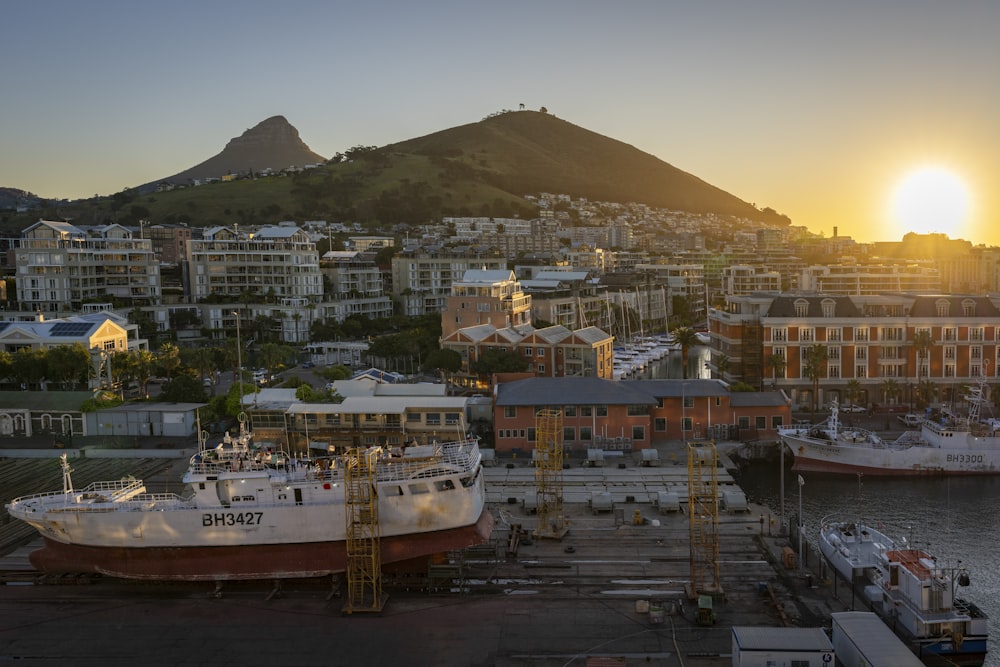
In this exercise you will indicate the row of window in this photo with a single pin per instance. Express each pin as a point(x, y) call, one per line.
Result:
point(862, 334)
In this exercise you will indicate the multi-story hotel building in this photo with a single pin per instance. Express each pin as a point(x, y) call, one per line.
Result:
point(896, 347)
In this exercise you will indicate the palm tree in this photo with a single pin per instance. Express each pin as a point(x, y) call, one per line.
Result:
point(777, 363)
point(686, 338)
point(814, 369)
point(722, 365)
point(853, 392)
point(922, 343)
point(890, 390)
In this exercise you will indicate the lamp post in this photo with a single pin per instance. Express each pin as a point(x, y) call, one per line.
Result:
point(239, 360)
point(802, 483)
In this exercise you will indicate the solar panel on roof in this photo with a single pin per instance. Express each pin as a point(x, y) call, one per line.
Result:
point(70, 328)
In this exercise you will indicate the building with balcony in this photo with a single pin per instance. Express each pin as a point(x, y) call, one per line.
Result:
point(271, 264)
point(422, 278)
point(482, 297)
point(59, 267)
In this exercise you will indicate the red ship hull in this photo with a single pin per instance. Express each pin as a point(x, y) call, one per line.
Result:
point(266, 561)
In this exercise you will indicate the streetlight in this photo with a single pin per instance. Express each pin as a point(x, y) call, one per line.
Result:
point(239, 359)
point(802, 483)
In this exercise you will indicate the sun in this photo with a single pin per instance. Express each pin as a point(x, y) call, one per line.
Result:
point(931, 199)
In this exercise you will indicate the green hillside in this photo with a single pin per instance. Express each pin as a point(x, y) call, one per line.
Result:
point(484, 168)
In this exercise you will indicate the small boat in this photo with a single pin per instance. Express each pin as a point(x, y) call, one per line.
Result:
point(910, 590)
point(251, 512)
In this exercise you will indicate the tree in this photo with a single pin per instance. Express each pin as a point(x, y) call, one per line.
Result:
point(722, 365)
point(814, 369)
point(777, 363)
point(853, 392)
point(923, 342)
point(496, 361)
point(183, 389)
point(28, 366)
point(686, 338)
point(891, 391)
point(68, 365)
point(168, 359)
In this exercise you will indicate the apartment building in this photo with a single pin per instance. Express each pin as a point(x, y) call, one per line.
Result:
point(742, 279)
point(485, 297)
point(59, 267)
point(354, 286)
point(272, 264)
point(422, 278)
point(866, 279)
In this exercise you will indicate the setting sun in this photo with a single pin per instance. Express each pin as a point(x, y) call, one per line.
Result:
point(931, 199)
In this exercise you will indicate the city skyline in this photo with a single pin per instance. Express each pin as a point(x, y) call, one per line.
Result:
point(819, 112)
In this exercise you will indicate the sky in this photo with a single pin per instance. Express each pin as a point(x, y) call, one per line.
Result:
point(818, 110)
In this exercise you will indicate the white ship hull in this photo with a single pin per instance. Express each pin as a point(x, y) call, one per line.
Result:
point(976, 457)
point(248, 519)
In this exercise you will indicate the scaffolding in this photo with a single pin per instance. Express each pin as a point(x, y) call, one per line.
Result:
point(548, 475)
point(364, 544)
point(703, 510)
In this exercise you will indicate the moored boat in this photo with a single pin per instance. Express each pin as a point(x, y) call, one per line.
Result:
point(910, 590)
point(944, 446)
point(258, 513)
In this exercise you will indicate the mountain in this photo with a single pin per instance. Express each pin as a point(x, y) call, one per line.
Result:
point(525, 152)
point(273, 143)
point(486, 168)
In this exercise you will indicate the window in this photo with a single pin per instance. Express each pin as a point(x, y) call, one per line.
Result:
point(860, 371)
point(451, 418)
point(587, 411)
point(660, 425)
point(541, 368)
point(833, 371)
point(602, 411)
point(540, 352)
point(861, 353)
point(861, 333)
point(968, 308)
point(829, 308)
point(637, 410)
point(586, 433)
point(976, 334)
point(779, 334)
point(569, 411)
point(433, 419)
point(509, 411)
point(685, 423)
point(743, 422)
point(527, 351)
point(638, 433)
point(801, 308)
point(949, 352)
point(834, 334)
point(942, 307)
point(689, 401)
point(807, 334)
point(760, 423)
point(949, 333)
point(777, 422)
point(569, 434)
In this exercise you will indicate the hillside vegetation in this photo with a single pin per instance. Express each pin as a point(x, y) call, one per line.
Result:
point(484, 168)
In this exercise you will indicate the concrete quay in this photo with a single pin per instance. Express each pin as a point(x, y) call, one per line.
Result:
point(579, 600)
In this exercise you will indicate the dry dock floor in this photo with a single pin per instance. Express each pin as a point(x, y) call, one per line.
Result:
point(580, 600)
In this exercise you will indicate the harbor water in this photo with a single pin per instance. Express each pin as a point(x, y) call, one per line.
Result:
point(956, 519)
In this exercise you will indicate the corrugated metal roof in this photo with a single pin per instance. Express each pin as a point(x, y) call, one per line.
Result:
point(761, 638)
point(570, 391)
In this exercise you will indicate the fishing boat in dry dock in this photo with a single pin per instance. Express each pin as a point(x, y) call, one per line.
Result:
point(945, 445)
point(253, 513)
point(910, 590)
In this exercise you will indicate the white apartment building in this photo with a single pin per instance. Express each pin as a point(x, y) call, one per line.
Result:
point(273, 264)
point(864, 279)
point(740, 279)
point(422, 279)
point(60, 266)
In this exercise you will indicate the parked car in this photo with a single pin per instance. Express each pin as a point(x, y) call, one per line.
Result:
point(307, 364)
point(911, 419)
point(853, 408)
